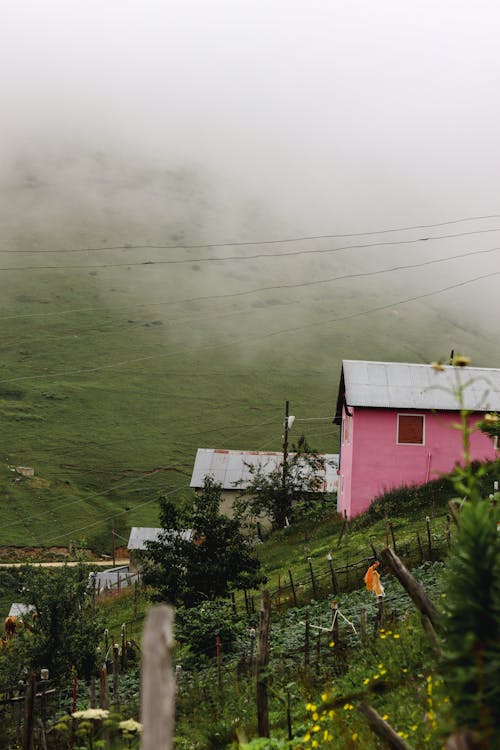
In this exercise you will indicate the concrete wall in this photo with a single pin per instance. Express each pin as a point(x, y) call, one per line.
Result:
point(372, 462)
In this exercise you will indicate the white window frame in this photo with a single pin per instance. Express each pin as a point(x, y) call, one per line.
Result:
point(409, 414)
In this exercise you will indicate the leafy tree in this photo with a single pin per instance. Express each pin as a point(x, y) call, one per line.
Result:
point(206, 562)
point(286, 493)
point(64, 632)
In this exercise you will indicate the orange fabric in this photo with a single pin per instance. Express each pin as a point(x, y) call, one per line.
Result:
point(372, 580)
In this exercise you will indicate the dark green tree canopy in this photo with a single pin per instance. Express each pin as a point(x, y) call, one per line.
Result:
point(201, 554)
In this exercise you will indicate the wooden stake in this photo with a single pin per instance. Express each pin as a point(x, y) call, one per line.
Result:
point(262, 663)
point(116, 677)
point(306, 641)
point(332, 574)
point(414, 588)
point(157, 680)
point(103, 688)
point(313, 582)
point(29, 712)
point(382, 729)
point(429, 537)
point(219, 661)
point(294, 595)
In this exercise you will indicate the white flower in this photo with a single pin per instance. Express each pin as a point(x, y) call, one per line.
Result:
point(91, 713)
point(130, 725)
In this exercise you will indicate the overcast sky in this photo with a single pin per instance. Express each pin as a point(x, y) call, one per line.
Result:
point(340, 115)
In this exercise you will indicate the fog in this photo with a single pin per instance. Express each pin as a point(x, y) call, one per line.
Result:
point(279, 118)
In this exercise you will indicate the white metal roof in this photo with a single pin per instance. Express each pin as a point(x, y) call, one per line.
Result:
point(416, 386)
point(231, 468)
point(19, 610)
point(139, 535)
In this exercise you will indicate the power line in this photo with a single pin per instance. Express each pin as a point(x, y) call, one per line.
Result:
point(297, 285)
point(250, 243)
point(248, 339)
point(310, 251)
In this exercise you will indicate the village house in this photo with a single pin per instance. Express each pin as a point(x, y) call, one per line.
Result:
point(235, 469)
point(397, 425)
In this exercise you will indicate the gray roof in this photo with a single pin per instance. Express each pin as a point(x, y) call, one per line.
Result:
point(109, 577)
point(399, 385)
point(139, 535)
point(18, 610)
point(231, 468)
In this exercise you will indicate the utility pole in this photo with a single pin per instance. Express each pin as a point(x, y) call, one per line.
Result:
point(113, 543)
point(285, 446)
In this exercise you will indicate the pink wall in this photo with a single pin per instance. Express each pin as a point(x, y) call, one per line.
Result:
point(372, 461)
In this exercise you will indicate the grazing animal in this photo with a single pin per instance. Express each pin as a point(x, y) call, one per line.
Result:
point(10, 626)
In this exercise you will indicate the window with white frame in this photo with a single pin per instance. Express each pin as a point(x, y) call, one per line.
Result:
point(411, 429)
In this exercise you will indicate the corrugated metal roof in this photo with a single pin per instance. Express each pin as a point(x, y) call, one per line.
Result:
point(416, 386)
point(139, 535)
point(231, 468)
point(109, 577)
point(19, 610)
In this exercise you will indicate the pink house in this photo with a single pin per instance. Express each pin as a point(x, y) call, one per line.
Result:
point(397, 425)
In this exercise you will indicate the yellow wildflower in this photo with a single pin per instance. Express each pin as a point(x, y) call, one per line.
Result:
point(459, 360)
point(438, 366)
point(354, 737)
point(366, 681)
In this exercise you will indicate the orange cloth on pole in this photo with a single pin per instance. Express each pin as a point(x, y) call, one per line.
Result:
point(372, 580)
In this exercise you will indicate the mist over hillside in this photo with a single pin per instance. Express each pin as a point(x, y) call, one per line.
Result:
point(136, 327)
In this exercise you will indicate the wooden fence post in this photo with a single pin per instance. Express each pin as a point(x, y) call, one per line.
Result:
point(294, 595)
point(313, 581)
point(413, 587)
point(157, 680)
point(124, 646)
point(420, 548)
point(306, 641)
point(332, 574)
point(429, 537)
point(335, 629)
point(262, 662)
point(382, 728)
point(103, 688)
point(219, 661)
point(29, 712)
point(116, 677)
point(362, 626)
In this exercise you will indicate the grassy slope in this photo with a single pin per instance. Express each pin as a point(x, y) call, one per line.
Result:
point(109, 384)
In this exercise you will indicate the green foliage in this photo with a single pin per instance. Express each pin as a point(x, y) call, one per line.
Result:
point(472, 620)
point(288, 493)
point(205, 564)
point(64, 633)
point(198, 626)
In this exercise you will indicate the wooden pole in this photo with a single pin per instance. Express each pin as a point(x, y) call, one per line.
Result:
point(113, 543)
point(429, 537)
point(294, 595)
point(420, 547)
point(335, 629)
point(219, 660)
point(116, 677)
point(362, 625)
point(382, 729)
point(313, 581)
point(262, 663)
point(306, 642)
point(252, 649)
point(124, 646)
point(285, 454)
point(157, 680)
point(391, 527)
point(29, 712)
point(332, 574)
point(415, 589)
point(103, 688)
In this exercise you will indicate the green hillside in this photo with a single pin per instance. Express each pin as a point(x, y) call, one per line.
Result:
point(118, 362)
